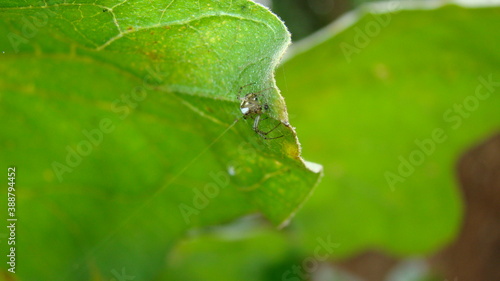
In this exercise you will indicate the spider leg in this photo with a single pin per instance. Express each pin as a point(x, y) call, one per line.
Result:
point(277, 125)
point(262, 133)
point(242, 87)
point(258, 93)
point(268, 138)
point(256, 124)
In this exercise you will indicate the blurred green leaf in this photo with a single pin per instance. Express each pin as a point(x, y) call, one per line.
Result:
point(358, 117)
point(120, 117)
point(393, 103)
point(222, 255)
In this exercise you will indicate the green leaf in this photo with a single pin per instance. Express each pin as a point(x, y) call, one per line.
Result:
point(123, 121)
point(223, 255)
point(358, 118)
point(376, 110)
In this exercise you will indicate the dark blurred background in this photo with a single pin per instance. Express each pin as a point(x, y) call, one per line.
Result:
point(303, 17)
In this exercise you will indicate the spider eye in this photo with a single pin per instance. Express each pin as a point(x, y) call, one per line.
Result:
point(266, 107)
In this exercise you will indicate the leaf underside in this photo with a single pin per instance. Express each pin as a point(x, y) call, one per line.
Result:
point(124, 124)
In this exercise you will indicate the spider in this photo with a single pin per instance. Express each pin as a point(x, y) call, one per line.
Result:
point(251, 107)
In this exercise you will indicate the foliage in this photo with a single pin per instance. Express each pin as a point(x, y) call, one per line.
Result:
point(389, 120)
point(357, 116)
point(123, 121)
